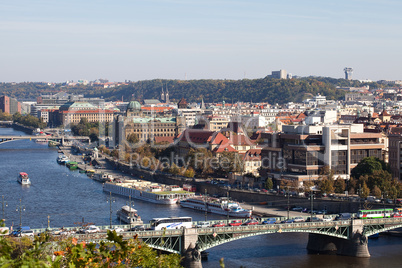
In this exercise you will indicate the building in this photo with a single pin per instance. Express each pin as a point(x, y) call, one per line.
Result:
point(281, 74)
point(73, 112)
point(9, 105)
point(300, 152)
point(395, 152)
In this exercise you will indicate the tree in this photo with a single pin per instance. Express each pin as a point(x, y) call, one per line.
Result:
point(47, 251)
point(132, 138)
point(339, 185)
point(365, 191)
point(326, 186)
point(376, 192)
point(367, 166)
point(269, 184)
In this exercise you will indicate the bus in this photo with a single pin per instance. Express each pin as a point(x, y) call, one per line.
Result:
point(375, 213)
point(171, 223)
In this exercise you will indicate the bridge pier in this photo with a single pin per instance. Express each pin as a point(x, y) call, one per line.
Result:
point(355, 246)
point(191, 254)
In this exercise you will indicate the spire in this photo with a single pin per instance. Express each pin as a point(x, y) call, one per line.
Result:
point(202, 104)
point(163, 94)
point(167, 95)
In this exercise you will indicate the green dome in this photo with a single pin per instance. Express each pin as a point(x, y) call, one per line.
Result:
point(134, 105)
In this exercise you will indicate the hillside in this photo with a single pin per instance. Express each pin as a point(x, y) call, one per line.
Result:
point(255, 90)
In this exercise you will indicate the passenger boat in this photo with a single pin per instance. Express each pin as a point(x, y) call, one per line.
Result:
point(24, 179)
point(128, 215)
point(221, 206)
point(102, 177)
point(148, 191)
point(62, 159)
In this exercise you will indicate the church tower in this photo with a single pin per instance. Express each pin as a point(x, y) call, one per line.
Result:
point(163, 94)
point(167, 95)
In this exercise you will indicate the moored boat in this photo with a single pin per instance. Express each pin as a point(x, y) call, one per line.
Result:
point(128, 215)
point(148, 191)
point(62, 159)
point(72, 165)
point(221, 206)
point(24, 179)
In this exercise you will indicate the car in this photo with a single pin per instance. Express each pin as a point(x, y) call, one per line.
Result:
point(297, 209)
point(219, 224)
point(288, 221)
point(251, 222)
point(91, 229)
point(203, 224)
point(327, 218)
point(343, 216)
point(138, 228)
point(235, 223)
point(313, 219)
point(26, 233)
point(298, 219)
point(115, 228)
point(269, 221)
point(264, 190)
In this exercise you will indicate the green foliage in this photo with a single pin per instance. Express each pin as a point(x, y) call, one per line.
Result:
point(91, 129)
point(269, 184)
point(28, 120)
point(339, 186)
point(5, 116)
point(46, 251)
point(367, 166)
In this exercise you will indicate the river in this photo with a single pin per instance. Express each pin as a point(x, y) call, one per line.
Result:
point(68, 197)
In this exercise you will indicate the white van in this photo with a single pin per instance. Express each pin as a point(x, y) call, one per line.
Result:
point(203, 224)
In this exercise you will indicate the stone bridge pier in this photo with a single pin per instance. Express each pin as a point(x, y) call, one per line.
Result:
point(191, 254)
point(355, 246)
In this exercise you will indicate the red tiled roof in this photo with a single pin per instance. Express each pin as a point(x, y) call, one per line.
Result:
point(164, 139)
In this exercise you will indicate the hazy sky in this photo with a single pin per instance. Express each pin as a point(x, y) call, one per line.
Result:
point(63, 40)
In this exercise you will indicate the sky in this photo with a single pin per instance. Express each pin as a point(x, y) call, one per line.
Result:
point(60, 40)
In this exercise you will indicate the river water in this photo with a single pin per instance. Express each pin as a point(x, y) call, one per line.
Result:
point(68, 197)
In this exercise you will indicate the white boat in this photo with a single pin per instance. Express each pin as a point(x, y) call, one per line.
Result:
point(24, 179)
point(62, 159)
point(148, 191)
point(221, 206)
point(102, 177)
point(128, 215)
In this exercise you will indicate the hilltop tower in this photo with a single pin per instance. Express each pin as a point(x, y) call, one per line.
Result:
point(348, 73)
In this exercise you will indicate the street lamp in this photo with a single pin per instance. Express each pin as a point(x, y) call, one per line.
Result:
point(19, 209)
point(4, 204)
point(288, 196)
point(312, 196)
point(227, 209)
point(110, 200)
point(130, 204)
point(206, 206)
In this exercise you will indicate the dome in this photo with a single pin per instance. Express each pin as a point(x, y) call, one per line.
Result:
point(134, 105)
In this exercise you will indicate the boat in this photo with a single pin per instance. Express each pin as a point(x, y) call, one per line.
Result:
point(62, 159)
point(24, 179)
point(128, 215)
point(72, 165)
point(148, 191)
point(221, 206)
point(102, 177)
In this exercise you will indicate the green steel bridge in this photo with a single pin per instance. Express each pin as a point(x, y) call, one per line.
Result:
point(345, 237)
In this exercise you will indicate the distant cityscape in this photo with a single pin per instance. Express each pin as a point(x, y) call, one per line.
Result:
point(293, 141)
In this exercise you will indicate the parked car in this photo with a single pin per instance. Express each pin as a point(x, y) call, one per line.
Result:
point(298, 219)
point(203, 224)
point(138, 228)
point(219, 224)
point(327, 218)
point(288, 221)
point(297, 209)
point(235, 223)
point(269, 221)
point(115, 228)
point(313, 219)
point(343, 216)
point(251, 222)
point(91, 229)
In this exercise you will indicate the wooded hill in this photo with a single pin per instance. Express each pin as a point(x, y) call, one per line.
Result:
point(256, 90)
